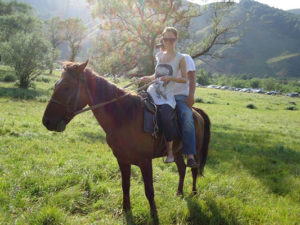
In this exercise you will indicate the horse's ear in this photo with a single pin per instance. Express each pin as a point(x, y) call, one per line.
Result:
point(82, 66)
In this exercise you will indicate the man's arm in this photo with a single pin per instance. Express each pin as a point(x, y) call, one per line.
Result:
point(192, 78)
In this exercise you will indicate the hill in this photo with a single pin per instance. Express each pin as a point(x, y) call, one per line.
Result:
point(270, 46)
point(65, 9)
point(62, 8)
point(296, 11)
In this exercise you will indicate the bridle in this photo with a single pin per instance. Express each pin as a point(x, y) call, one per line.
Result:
point(82, 81)
point(71, 112)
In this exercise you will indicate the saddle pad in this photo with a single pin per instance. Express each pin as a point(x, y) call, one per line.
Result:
point(149, 119)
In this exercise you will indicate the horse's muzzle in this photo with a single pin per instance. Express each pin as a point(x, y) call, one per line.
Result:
point(54, 126)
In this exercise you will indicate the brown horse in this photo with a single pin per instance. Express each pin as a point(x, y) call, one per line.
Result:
point(120, 114)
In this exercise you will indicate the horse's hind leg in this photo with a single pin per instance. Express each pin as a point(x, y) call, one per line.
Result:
point(125, 170)
point(181, 170)
point(146, 169)
point(194, 174)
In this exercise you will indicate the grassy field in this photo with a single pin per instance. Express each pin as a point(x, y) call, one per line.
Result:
point(251, 176)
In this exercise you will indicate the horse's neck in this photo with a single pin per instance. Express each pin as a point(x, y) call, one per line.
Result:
point(103, 91)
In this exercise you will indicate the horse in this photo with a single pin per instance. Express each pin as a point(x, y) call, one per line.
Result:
point(120, 114)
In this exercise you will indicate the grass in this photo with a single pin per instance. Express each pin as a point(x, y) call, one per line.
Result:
point(251, 176)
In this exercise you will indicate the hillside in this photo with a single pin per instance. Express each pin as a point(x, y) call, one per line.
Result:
point(62, 8)
point(65, 9)
point(296, 11)
point(270, 46)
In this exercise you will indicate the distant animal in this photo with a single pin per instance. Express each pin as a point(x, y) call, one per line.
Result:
point(120, 114)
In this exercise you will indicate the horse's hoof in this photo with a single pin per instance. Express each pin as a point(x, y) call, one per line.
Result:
point(179, 193)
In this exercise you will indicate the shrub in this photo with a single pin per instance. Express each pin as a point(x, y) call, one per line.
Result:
point(251, 106)
point(9, 78)
point(199, 100)
point(291, 107)
point(43, 79)
point(26, 53)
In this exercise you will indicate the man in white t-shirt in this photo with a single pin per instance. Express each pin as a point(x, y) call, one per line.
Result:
point(184, 95)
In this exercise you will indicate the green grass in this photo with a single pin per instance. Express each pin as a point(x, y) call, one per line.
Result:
point(251, 176)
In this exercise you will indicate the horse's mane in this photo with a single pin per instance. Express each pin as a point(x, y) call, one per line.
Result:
point(123, 110)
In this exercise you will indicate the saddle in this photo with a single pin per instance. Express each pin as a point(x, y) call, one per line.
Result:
point(150, 115)
point(151, 125)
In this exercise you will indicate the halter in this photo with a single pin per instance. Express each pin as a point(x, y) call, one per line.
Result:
point(73, 112)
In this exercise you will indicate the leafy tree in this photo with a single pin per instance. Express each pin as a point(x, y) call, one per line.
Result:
point(15, 17)
point(255, 83)
point(54, 31)
point(26, 53)
point(131, 28)
point(74, 32)
point(203, 77)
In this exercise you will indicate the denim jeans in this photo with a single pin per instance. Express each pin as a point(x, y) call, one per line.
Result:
point(186, 123)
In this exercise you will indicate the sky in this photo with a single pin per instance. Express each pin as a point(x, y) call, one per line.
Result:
point(280, 4)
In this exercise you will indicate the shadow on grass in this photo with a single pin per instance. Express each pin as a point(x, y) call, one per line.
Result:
point(93, 136)
point(129, 219)
point(209, 213)
point(274, 164)
point(20, 93)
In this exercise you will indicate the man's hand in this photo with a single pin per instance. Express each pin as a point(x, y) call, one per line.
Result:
point(190, 101)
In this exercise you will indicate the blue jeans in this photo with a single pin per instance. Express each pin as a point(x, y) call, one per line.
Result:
point(187, 127)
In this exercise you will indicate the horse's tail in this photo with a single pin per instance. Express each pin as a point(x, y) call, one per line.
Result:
point(206, 139)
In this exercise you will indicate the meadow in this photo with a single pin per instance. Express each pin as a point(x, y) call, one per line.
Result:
point(251, 175)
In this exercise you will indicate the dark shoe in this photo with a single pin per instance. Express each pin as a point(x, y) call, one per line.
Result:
point(192, 163)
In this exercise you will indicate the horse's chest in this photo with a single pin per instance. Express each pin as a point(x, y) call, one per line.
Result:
point(129, 147)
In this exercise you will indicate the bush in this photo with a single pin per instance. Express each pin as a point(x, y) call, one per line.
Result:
point(26, 53)
point(10, 78)
point(43, 79)
point(291, 107)
point(251, 106)
point(199, 100)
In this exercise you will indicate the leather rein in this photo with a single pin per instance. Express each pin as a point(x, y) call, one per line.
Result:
point(82, 81)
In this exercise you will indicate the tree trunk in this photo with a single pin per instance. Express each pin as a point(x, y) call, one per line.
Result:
point(24, 82)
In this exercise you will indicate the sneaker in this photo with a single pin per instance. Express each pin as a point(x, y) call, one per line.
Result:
point(170, 159)
point(192, 163)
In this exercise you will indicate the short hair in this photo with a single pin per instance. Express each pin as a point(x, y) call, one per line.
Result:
point(170, 29)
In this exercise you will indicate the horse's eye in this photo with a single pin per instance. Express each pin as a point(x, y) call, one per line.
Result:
point(67, 89)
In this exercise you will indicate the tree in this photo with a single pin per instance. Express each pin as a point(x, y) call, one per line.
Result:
point(130, 29)
point(74, 32)
point(26, 53)
point(54, 30)
point(15, 17)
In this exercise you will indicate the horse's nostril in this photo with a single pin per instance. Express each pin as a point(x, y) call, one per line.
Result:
point(47, 122)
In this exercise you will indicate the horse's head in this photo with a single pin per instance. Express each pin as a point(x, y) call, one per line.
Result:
point(69, 96)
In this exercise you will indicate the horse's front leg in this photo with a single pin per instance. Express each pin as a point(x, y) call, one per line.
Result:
point(181, 170)
point(125, 170)
point(146, 169)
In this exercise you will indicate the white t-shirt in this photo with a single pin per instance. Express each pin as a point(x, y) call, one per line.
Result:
point(184, 88)
point(162, 93)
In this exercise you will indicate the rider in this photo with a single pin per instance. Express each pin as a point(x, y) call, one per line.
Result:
point(169, 63)
point(184, 96)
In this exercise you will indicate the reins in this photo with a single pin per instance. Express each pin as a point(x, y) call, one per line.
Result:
point(112, 100)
